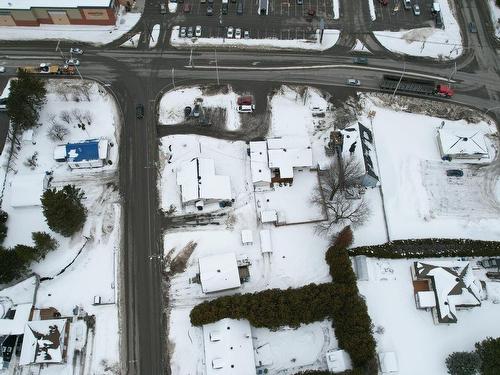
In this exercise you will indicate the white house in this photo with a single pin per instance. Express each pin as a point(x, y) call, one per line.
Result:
point(219, 272)
point(44, 342)
point(288, 153)
point(259, 164)
point(266, 246)
point(460, 142)
point(91, 153)
point(199, 184)
point(228, 348)
point(338, 361)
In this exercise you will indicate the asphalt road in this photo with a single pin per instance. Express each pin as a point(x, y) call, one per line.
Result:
point(140, 76)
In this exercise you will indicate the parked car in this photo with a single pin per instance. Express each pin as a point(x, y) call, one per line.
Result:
point(190, 32)
point(454, 173)
point(186, 8)
point(224, 8)
point(490, 263)
point(407, 4)
point(197, 31)
point(230, 31)
point(246, 34)
point(353, 82)
point(383, 2)
point(237, 33)
point(210, 10)
point(472, 27)
point(76, 51)
point(163, 8)
point(300, 2)
point(2, 69)
point(182, 32)
point(139, 111)
point(416, 9)
point(438, 19)
point(203, 1)
point(187, 111)
point(239, 8)
point(72, 62)
point(196, 110)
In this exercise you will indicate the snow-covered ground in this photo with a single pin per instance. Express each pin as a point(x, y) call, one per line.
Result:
point(495, 16)
point(371, 5)
point(360, 47)
point(94, 269)
point(330, 37)
point(79, 33)
point(155, 34)
point(173, 102)
point(133, 42)
point(336, 9)
point(432, 42)
point(420, 200)
point(420, 345)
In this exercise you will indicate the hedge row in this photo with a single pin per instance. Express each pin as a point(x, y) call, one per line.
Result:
point(430, 247)
point(272, 308)
point(350, 315)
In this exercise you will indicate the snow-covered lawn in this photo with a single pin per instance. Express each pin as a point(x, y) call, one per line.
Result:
point(360, 47)
point(155, 34)
point(173, 102)
point(94, 269)
point(79, 33)
point(330, 37)
point(432, 42)
point(495, 16)
point(420, 200)
point(420, 345)
point(133, 42)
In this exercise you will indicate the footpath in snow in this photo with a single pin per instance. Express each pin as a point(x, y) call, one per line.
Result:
point(432, 42)
point(330, 38)
point(79, 33)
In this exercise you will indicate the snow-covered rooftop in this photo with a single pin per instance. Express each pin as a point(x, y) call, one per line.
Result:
point(287, 153)
point(266, 246)
point(259, 162)
point(426, 299)
point(14, 326)
point(269, 216)
point(43, 341)
point(454, 285)
point(27, 4)
point(198, 180)
point(462, 142)
point(388, 362)
point(246, 236)
point(27, 189)
point(338, 361)
point(228, 348)
point(219, 272)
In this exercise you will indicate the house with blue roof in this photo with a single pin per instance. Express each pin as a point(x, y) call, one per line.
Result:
point(91, 153)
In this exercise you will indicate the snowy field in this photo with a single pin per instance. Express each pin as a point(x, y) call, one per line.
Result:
point(173, 102)
point(93, 271)
point(428, 41)
point(420, 200)
point(420, 345)
point(330, 37)
point(79, 33)
point(495, 16)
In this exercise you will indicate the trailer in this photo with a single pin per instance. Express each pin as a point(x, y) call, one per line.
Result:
point(45, 68)
point(416, 86)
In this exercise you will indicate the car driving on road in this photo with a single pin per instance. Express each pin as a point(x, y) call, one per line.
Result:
point(72, 62)
point(76, 51)
point(197, 31)
point(237, 33)
point(139, 111)
point(353, 82)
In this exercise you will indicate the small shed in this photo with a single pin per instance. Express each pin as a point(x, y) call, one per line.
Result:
point(388, 362)
point(338, 361)
point(219, 272)
point(268, 216)
point(361, 268)
point(246, 237)
point(91, 153)
point(266, 245)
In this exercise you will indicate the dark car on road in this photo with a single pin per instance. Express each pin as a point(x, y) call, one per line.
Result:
point(360, 60)
point(472, 27)
point(139, 111)
point(210, 10)
point(454, 173)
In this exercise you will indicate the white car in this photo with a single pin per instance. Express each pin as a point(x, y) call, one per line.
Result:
point(73, 62)
point(230, 31)
point(237, 33)
point(197, 31)
point(2, 69)
point(353, 82)
point(76, 51)
point(246, 34)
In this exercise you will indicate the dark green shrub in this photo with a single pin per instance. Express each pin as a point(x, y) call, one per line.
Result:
point(3, 225)
point(44, 243)
point(489, 355)
point(463, 363)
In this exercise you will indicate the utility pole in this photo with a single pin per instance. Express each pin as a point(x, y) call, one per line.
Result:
point(216, 67)
point(400, 79)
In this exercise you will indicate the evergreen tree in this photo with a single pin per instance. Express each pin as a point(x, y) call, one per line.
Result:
point(3, 225)
point(27, 94)
point(489, 355)
point(44, 243)
point(463, 363)
point(12, 265)
point(63, 209)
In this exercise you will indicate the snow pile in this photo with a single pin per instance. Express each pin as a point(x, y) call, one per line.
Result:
point(81, 33)
point(336, 10)
point(132, 42)
point(330, 37)
point(360, 47)
point(155, 34)
point(420, 345)
point(495, 16)
point(429, 41)
point(420, 200)
point(172, 105)
point(371, 5)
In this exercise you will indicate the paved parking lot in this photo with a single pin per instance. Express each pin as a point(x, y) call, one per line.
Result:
point(395, 17)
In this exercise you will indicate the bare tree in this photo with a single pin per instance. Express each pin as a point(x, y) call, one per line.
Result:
point(84, 90)
point(57, 132)
point(65, 116)
point(332, 195)
point(77, 114)
point(87, 117)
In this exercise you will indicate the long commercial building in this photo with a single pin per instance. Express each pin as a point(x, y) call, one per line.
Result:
point(62, 12)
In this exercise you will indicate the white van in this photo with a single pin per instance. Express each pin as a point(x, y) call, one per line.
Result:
point(245, 108)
